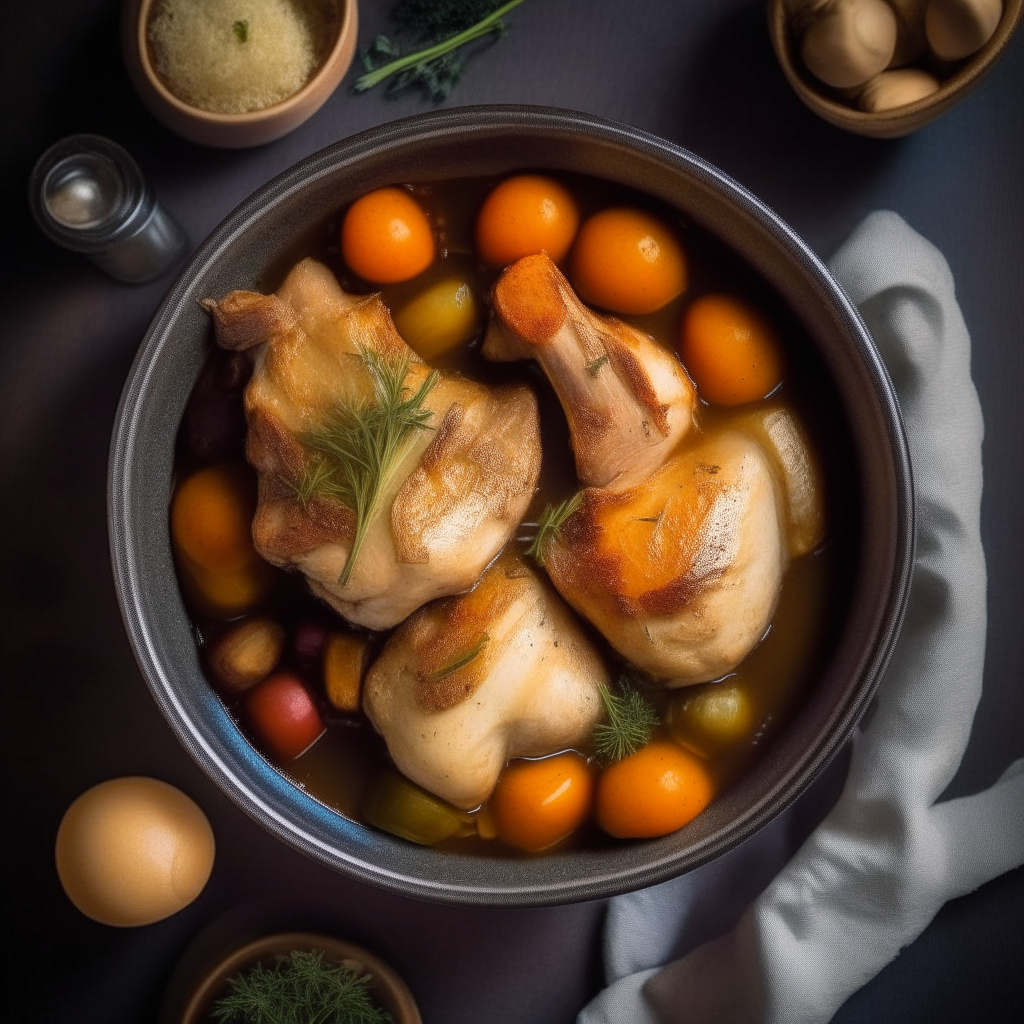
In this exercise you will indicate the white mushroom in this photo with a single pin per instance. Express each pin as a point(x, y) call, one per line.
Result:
point(849, 42)
point(958, 28)
point(893, 89)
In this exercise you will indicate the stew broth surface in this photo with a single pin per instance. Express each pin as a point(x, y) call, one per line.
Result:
point(339, 767)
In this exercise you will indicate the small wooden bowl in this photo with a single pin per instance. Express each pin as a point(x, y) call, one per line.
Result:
point(232, 131)
point(900, 121)
point(386, 987)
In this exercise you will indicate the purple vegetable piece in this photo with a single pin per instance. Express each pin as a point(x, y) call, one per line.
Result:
point(308, 643)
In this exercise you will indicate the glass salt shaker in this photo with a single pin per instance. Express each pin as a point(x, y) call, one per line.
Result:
point(88, 195)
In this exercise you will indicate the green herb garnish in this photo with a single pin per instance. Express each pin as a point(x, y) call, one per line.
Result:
point(445, 26)
point(359, 447)
point(551, 523)
point(302, 988)
point(631, 720)
point(241, 30)
point(594, 368)
point(460, 662)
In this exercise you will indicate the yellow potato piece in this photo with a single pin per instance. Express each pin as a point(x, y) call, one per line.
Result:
point(711, 717)
point(345, 663)
point(439, 319)
point(247, 654)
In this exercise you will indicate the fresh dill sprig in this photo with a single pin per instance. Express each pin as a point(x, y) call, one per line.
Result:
point(315, 480)
point(551, 523)
point(461, 662)
point(631, 720)
point(302, 988)
point(241, 30)
point(594, 368)
point(359, 446)
point(446, 26)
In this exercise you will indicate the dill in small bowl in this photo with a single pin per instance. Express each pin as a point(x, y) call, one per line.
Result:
point(302, 986)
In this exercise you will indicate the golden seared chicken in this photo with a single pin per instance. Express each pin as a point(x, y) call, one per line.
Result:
point(469, 682)
point(387, 484)
point(682, 571)
point(627, 400)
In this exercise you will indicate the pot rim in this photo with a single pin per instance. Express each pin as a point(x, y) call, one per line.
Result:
point(272, 800)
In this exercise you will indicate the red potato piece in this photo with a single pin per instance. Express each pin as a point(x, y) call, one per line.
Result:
point(284, 716)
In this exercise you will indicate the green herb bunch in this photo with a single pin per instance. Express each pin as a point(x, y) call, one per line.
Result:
point(302, 988)
point(359, 446)
point(631, 720)
point(443, 30)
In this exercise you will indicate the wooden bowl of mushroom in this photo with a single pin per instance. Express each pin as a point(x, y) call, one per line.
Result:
point(231, 74)
point(885, 68)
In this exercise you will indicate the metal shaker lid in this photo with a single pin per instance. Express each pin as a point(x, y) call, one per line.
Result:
point(87, 194)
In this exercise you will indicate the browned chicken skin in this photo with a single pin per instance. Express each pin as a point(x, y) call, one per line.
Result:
point(466, 683)
point(682, 571)
point(678, 548)
point(628, 401)
point(456, 492)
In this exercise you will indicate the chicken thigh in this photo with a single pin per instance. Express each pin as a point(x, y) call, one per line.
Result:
point(387, 484)
point(469, 682)
point(681, 572)
point(627, 400)
point(677, 554)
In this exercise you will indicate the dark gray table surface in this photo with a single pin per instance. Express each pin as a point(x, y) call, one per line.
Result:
point(701, 74)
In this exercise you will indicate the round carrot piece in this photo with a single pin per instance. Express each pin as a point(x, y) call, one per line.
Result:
point(524, 216)
point(627, 261)
point(539, 803)
point(730, 350)
point(386, 237)
point(211, 517)
point(652, 792)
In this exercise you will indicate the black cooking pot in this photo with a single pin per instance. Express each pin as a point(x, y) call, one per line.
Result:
point(876, 489)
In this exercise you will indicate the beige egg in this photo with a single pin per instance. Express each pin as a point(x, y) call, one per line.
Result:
point(132, 851)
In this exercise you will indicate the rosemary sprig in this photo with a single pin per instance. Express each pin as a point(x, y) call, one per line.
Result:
point(302, 988)
point(359, 446)
point(551, 523)
point(436, 67)
point(631, 720)
point(461, 662)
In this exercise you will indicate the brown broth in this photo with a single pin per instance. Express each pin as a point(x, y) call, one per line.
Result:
point(339, 767)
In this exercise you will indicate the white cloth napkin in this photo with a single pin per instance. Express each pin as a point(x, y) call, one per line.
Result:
point(885, 859)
